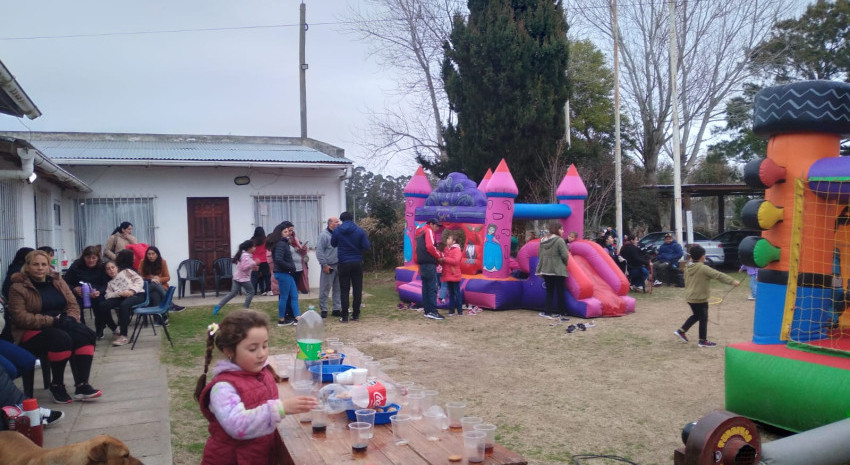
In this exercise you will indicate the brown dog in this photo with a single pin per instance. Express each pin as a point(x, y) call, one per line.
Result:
point(17, 449)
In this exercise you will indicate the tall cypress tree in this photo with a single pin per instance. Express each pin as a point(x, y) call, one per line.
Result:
point(505, 78)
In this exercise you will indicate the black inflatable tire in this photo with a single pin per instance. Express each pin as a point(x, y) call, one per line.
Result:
point(805, 106)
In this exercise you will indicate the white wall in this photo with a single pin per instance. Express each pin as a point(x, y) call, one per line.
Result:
point(171, 186)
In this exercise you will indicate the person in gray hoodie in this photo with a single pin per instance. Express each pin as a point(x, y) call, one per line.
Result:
point(329, 277)
point(552, 258)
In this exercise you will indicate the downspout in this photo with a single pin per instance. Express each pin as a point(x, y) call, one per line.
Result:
point(27, 157)
point(345, 176)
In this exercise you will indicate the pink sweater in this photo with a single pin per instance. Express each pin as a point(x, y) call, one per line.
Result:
point(243, 268)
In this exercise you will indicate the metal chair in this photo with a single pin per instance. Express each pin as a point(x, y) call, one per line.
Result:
point(145, 316)
point(190, 270)
point(222, 269)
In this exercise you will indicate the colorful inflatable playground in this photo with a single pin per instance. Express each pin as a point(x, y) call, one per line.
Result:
point(485, 214)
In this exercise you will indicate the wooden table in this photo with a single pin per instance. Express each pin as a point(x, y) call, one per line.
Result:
point(334, 447)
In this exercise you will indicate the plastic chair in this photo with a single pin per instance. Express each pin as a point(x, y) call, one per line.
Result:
point(145, 315)
point(222, 269)
point(191, 270)
point(28, 378)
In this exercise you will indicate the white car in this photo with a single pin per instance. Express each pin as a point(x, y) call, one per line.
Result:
point(714, 255)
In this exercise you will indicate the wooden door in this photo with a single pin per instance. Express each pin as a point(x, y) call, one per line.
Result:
point(209, 233)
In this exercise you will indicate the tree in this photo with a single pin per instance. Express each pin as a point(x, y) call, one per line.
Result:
point(407, 36)
point(714, 46)
point(814, 46)
point(504, 72)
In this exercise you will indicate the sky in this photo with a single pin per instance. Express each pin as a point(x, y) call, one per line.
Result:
point(227, 67)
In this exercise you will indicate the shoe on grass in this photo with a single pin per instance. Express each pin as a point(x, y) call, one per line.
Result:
point(435, 316)
point(120, 341)
point(285, 322)
point(681, 335)
point(215, 310)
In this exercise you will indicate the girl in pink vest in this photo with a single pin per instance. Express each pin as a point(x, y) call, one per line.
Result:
point(241, 402)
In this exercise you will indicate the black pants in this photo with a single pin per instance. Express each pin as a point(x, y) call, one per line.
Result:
point(103, 313)
point(61, 345)
point(700, 314)
point(262, 278)
point(555, 288)
point(351, 275)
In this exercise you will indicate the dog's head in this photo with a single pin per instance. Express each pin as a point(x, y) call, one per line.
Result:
point(106, 450)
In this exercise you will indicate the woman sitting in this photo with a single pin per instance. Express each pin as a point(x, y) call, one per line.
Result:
point(14, 266)
point(121, 236)
point(45, 317)
point(125, 290)
point(154, 269)
point(88, 269)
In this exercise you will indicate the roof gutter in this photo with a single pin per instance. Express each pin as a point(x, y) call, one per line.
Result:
point(16, 93)
point(32, 158)
point(212, 164)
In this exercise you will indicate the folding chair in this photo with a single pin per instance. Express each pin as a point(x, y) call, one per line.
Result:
point(145, 315)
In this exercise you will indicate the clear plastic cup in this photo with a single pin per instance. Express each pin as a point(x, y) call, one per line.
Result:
point(414, 405)
point(401, 428)
point(360, 433)
point(473, 446)
point(455, 411)
point(490, 439)
point(366, 415)
point(468, 423)
point(404, 388)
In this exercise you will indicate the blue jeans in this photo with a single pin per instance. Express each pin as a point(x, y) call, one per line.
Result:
point(455, 300)
point(15, 360)
point(753, 284)
point(287, 302)
point(428, 274)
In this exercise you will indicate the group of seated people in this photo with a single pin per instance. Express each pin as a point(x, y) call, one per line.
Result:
point(636, 264)
point(43, 314)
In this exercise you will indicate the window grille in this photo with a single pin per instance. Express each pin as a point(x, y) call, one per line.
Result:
point(44, 220)
point(97, 218)
point(304, 211)
point(11, 231)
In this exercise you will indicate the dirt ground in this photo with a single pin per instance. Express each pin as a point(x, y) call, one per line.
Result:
point(625, 387)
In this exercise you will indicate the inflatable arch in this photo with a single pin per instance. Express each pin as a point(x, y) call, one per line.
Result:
point(485, 212)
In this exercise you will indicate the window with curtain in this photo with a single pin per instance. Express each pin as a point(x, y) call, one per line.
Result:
point(97, 218)
point(304, 211)
point(11, 232)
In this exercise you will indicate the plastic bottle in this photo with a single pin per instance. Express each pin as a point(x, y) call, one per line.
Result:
point(309, 335)
point(33, 429)
point(86, 291)
point(64, 259)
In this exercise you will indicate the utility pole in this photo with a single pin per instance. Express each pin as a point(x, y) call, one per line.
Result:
point(674, 96)
point(303, 68)
point(618, 156)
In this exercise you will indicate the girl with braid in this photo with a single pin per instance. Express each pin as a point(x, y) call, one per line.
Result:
point(241, 402)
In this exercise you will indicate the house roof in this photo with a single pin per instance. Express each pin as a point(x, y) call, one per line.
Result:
point(160, 149)
point(13, 100)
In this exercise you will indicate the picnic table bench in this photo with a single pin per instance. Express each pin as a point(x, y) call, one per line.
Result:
point(333, 447)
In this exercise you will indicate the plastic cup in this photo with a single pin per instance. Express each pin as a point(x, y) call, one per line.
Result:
point(468, 423)
point(401, 428)
point(359, 375)
point(414, 405)
point(303, 387)
point(319, 419)
point(333, 359)
point(336, 346)
point(455, 411)
point(430, 398)
point(366, 415)
point(374, 368)
point(434, 420)
point(364, 359)
point(490, 439)
point(360, 433)
point(404, 388)
point(473, 446)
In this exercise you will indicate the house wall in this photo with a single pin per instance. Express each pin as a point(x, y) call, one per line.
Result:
point(171, 186)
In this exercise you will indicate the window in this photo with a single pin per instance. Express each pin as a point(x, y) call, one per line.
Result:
point(44, 220)
point(11, 232)
point(97, 218)
point(304, 211)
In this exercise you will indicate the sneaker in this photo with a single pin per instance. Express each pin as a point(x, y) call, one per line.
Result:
point(751, 298)
point(632, 288)
point(100, 336)
point(160, 320)
point(563, 318)
point(343, 320)
point(571, 328)
point(85, 392)
point(707, 343)
point(324, 314)
point(59, 394)
point(285, 322)
point(49, 417)
point(681, 335)
point(177, 308)
point(435, 316)
point(581, 327)
point(545, 315)
point(657, 283)
point(120, 341)
point(336, 313)
point(215, 310)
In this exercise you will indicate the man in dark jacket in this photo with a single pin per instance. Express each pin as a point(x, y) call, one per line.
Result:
point(427, 257)
point(350, 241)
point(666, 264)
point(638, 264)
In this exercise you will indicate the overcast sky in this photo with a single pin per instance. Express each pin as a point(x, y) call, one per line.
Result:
point(106, 66)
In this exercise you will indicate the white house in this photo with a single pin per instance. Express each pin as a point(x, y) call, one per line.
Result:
point(192, 196)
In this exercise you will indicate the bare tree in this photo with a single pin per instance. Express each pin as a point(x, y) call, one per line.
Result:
point(407, 36)
point(714, 40)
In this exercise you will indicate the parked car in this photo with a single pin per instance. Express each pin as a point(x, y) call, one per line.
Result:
point(730, 240)
point(714, 255)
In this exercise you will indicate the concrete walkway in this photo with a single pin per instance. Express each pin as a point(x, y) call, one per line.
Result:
point(134, 405)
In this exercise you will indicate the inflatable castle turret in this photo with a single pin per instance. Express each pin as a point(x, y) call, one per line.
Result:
point(501, 194)
point(572, 193)
point(415, 193)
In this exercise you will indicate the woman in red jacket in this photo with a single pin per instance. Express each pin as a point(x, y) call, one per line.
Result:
point(451, 273)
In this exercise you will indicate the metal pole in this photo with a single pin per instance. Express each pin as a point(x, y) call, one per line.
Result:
point(618, 160)
point(674, 95)
point(303, 69)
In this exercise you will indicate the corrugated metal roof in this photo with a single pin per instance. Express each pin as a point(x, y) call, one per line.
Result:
point(70, 151)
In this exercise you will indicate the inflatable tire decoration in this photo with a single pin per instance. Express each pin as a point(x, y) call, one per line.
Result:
point(805, 106)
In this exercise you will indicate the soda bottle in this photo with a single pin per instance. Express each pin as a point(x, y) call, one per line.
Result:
point(309, 335)
point(64, 259)
point(32, 427)
point(86, 291)
point(376, 393)
point(336, 398)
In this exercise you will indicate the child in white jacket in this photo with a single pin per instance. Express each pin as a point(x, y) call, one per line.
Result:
point(244, 261)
